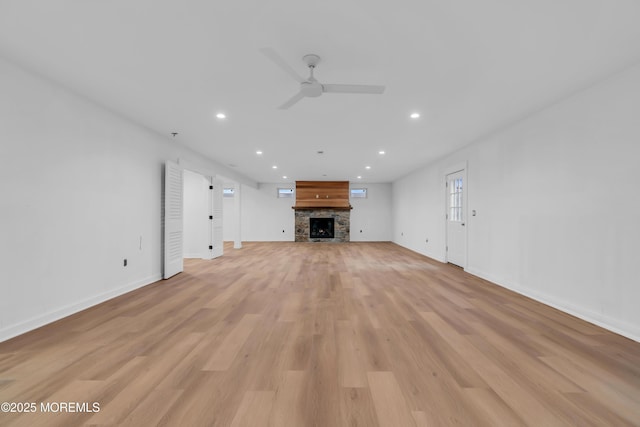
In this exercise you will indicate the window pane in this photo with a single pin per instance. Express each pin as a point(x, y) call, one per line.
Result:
point(358, 193)
point(285, 193)
point(227, 192)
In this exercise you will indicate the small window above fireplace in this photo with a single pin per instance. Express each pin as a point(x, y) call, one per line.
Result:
point(285, 193)
point(358, 193)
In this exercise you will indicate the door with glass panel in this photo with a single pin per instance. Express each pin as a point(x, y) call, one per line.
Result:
point(456, 248)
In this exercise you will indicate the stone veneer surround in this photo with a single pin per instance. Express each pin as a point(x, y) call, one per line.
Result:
point(341, 226)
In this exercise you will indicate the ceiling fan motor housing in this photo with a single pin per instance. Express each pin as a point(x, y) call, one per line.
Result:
point(311, 89)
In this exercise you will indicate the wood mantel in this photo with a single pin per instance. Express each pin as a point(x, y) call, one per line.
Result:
point(322, 194)
point(324, 206)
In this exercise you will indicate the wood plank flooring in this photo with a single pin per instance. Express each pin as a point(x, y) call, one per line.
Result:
point(297, 334)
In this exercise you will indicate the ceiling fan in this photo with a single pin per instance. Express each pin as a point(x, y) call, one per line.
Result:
point(311, 87)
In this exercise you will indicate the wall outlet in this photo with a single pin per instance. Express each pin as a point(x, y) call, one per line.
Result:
point(124, 263)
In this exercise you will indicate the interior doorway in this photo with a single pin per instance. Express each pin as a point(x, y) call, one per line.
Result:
point(192, 217)
point(196, 215)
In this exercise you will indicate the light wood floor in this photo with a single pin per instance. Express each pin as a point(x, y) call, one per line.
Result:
point(296, 334)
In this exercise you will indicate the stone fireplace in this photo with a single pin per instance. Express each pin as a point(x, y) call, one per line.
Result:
point(339, 217)
point(323, 211)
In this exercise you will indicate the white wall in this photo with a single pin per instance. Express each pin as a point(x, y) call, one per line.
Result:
point(196, 212)
point(418, 212)
point(81, 191)
point(557, 201)
point(371, 216)
point(265, 217)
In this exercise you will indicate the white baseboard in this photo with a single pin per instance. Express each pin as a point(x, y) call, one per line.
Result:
point(614, 325)
point(617, 326)
point(11, 331)
point(198, 256)
point(427, 254)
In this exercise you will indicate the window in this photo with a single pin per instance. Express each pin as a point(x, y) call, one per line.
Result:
point(455, 200)
point(285, 193)
point(227, 192)
point(358, 193)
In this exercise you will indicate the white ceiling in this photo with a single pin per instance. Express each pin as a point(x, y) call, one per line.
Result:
point(469, 67)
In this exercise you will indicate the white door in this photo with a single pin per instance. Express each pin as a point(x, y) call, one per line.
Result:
point(173, 213)
point(456, 249)
point(216, 220)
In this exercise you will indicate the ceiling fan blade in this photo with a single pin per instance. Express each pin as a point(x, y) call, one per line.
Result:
point(295, 98)
point(277, 59)
point(353, 89)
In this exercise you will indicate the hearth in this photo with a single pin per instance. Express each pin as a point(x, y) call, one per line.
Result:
point(321, 228)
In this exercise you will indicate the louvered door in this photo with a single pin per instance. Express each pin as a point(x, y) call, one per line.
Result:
point(173, 219)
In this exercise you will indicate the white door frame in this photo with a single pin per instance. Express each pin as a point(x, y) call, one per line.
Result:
point(458, 167)
point(237, 205)
point(216, 248)
point(215, 235)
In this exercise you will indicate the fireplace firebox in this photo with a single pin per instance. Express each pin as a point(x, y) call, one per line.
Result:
point(321, 228)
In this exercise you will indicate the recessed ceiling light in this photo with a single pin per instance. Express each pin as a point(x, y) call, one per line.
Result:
point(367, 167)
point(284, 177)
point(274, 167)
point(258, 152)
point(359, 177)
point(415, 115)
point(221, 115)
point(381, 152)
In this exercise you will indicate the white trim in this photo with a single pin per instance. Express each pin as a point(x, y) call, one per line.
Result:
point(614, 325)
point(208, 254)
point(203, 255)
point(433, 257)
point(625, 329)
point(52, 316)
point(216, 206)
point(427, 254)
point(457, 167)
point(237, 205)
